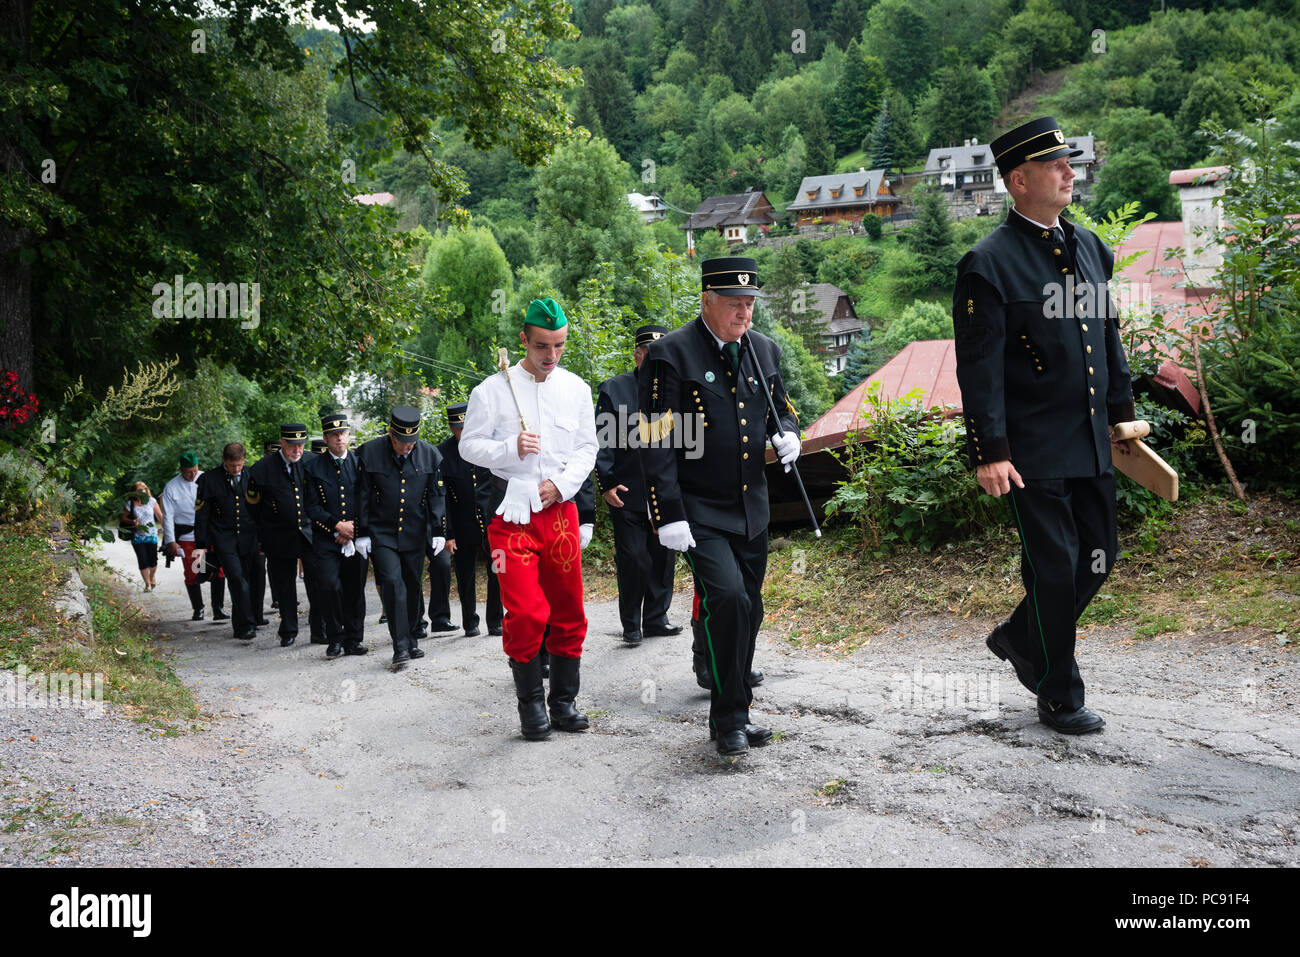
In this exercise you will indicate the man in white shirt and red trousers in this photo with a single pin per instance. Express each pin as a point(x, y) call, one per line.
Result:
point(533, 425)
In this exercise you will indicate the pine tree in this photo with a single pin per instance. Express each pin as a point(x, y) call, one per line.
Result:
point(817, 138)
point(856, 99)
point(880, 145)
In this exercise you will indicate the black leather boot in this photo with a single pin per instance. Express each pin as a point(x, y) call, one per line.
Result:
point(544, 657)
point(564, 689)
point(196, 601)
point(699, 658)
point(533, 723)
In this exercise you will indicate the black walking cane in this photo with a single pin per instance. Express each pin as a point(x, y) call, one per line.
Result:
point(776, 419)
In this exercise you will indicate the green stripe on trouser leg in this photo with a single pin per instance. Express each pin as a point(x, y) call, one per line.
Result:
point(704, 620)
point(1033, 593)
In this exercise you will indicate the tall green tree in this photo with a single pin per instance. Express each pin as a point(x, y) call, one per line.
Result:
point(902, 36)
point(934, 254)
point(817, 140)
point(473, 270)
point(136, 149)
point(961, 105)
point(583, 214)
point(856, 98)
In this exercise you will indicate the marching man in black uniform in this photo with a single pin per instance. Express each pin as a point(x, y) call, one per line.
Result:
point(340, 571)
point(710, 500)
point(644, 567)
point(1042, 375)
point(225, 533)
point(468, 491)
point(275, 497)
point(400, 513)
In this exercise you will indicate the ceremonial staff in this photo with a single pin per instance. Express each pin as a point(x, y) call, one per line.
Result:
point(771, 405)
point(503, 363)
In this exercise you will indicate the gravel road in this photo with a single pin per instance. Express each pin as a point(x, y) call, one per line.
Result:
point(919, 749)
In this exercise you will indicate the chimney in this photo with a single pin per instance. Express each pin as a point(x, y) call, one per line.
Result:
point(1200, 192)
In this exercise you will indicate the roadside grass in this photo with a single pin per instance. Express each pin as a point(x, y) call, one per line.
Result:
point(1209, 566)
point(33, 633)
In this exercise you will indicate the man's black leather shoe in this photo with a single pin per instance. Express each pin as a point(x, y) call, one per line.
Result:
point(416, 652)
point(732, 742)
point(318, 640)
point(1059, 718)
point(441, 626)
point(261, 622)
point(662, 631)
point(999, 643)
point(472, 632)
point(248, 635)
point(632, 637)
point(400, 661)
point(494, 630)
point(219, 614)
point(198, 615)
point(755, 678)
point(287, 640)
point(334, 651)
point(383, 618)
point(755, 735)
point(355, 648)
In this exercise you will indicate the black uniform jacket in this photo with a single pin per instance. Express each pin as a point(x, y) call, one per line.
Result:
point(469, 491)
point(404, 508)
point(1039, 359)
point(331, 496)
point(221, 515)
point(616, 460)
point(276, 502)
point(719, 482)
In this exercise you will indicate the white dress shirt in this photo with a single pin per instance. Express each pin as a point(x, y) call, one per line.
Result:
point(177, 503)
point(559, 409)
point(1036, 222)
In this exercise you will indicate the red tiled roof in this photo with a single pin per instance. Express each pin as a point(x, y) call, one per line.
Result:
point(929, 365)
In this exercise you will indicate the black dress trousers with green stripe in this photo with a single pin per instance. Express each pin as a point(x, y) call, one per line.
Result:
point(1068, 546)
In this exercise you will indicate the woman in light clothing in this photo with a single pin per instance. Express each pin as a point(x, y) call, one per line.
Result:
point(143, 514)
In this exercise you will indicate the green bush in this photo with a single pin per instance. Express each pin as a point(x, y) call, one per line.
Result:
point(908, 483)
point(27, 491)
point(873, 224)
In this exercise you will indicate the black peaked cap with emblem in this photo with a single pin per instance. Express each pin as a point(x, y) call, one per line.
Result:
point(318, 446)
point(334, 422)
point(648, 334)
point(456, 414)
point(293, 432)
point(405, 422)
point(730, 276)
point(1038, 140)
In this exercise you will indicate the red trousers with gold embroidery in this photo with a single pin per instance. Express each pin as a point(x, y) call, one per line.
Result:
point(539, 566)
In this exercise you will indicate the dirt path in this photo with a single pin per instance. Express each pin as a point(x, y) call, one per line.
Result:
point(884, 758)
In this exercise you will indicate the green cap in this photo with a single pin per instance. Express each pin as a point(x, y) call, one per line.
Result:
point(189, 460)
point(545, 313)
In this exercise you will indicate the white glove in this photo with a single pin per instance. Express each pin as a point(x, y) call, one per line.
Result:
point(438, 544)
point(522, 499)
point(787, 447)
point(363, 547)
point(584, 534)
point(677, 536)
point(349, 548)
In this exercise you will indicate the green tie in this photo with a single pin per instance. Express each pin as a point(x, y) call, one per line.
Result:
point(732, 349)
